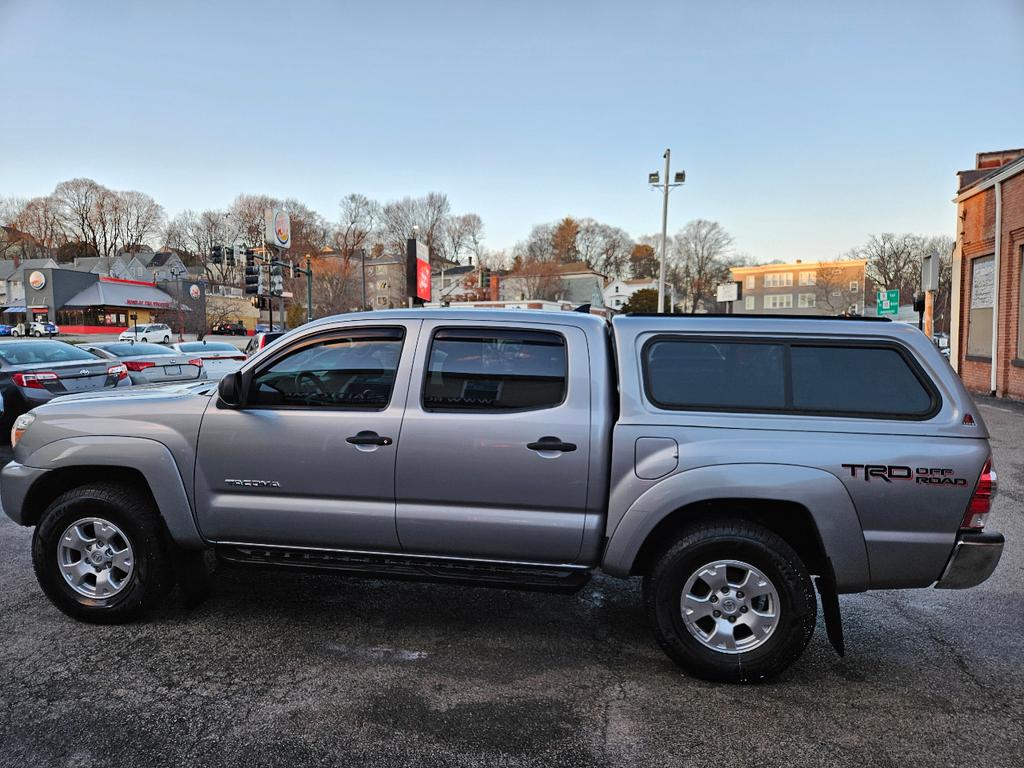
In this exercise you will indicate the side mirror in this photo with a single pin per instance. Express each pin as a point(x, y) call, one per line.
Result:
point(230, 390)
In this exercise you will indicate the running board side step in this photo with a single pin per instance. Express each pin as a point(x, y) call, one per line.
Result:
point(488, 573)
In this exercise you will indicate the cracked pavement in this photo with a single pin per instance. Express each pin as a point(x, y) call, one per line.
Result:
point(290, 669)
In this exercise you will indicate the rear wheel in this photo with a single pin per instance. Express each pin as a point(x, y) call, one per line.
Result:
point(731, 601)
point(101, 554)
point(37, 334)
point(167, 339)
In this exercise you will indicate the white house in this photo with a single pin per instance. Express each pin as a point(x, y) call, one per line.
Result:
point(619, 291)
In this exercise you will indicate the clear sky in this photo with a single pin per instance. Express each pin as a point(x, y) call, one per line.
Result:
point(803, 126)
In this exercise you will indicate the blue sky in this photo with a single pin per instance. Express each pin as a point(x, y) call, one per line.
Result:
point(803, 126)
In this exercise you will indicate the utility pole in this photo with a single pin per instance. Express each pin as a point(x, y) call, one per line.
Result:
point(664, 238)
point(309, 291)
point(669, 181)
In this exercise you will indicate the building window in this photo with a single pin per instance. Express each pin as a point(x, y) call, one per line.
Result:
point(781, 301)
point(979, 330)
point(778, 280)
point(808, 278)
point(1020, 305)
point(854, 286)
point(806, 301)
point(382, 301)
point(750, 283)
point(750, 302)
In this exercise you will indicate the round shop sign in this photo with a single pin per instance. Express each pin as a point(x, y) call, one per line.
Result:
point(193, 291)
point(37, 280)
point(282, 227)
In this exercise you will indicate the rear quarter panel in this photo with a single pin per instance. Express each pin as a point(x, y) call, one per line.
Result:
point(880, 531)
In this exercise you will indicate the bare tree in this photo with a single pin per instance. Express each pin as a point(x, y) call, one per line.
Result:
point(460, 234)
point(893, 262)
point(832, 288)
point(356, 224)
point(140, 218)
point(700, 252)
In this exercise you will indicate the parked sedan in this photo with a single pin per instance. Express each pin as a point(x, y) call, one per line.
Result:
point(219, 357)
point(150, 363)
point(34, 372)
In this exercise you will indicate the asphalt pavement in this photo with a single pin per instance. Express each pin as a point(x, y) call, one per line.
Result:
point(288, 669)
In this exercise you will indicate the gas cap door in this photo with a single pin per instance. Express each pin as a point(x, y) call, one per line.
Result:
point(655, 457)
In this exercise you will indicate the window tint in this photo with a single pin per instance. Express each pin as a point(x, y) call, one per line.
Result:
point(26, 352)
point(856, 380)
point(202, 346)
point(128, 349)
point(705, 374)
point(476, 369)
point(357, 371)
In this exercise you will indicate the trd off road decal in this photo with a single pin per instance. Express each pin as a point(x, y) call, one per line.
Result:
point(890, 472)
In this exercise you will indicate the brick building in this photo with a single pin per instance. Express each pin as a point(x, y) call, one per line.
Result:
point(987, 321)
point(804, 288)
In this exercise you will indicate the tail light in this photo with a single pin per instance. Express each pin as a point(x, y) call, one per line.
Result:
point(197, 362)
point(138, 365)
point(33, 380)
point(118, 371)
point(981, 502)
point(238, 357)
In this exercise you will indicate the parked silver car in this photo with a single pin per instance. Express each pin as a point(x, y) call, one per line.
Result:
point(219, 357)
point(33, 372)
point(150, 363)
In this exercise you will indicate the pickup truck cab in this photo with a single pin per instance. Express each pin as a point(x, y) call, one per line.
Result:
point(735, 463)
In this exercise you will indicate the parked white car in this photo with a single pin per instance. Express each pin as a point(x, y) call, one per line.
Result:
point(155, 332)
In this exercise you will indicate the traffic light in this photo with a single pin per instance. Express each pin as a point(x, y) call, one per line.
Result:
point(253, 279)
point(276, 280)
point(250, 257)
point(229, 256)
point(216, 254)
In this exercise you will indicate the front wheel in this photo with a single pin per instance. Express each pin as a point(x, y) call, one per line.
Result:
point(731, 601)
point(101, 555)
point(167, 339)
point(143, 339)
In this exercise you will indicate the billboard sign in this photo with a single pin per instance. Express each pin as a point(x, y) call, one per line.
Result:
point(417, 270)
point(278, 228)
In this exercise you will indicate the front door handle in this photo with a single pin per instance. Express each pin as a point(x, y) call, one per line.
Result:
point(368, 437)
point(549, 443)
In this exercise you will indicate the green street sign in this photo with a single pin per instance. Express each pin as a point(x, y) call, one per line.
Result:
point(888, 303)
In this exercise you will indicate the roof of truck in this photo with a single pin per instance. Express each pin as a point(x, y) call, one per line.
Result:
point(541, 317)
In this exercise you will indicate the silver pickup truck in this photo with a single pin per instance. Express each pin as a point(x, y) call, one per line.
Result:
point(735, 463)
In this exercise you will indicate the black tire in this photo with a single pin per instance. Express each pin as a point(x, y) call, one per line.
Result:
point(736, 540)
point(167, 339)
point(129, 509)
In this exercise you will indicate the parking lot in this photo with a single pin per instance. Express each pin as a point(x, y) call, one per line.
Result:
point(287, 669)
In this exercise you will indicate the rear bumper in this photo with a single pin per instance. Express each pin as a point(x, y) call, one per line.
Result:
point(974, 558)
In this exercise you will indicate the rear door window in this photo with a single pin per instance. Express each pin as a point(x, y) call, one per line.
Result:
point(471, 369)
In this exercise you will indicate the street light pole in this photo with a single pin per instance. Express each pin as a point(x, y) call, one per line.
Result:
point(309, 291)
point(664, 237)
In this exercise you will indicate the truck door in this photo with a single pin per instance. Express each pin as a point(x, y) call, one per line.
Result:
point(309, 458)
point(496, 442)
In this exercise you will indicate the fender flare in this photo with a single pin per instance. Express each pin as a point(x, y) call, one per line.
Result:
point(150, 458)
point(821, 493)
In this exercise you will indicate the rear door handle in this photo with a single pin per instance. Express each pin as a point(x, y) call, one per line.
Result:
point(367, 437)
point(549, 443)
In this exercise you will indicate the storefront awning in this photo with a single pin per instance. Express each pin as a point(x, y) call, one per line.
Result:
point(9, 310)
point(109, 294)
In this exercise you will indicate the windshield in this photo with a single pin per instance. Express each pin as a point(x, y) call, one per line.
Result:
point(132, 350)
point(30, 352)
point(213, 346)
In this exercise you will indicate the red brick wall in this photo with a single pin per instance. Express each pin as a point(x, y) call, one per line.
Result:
point(978, 239)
